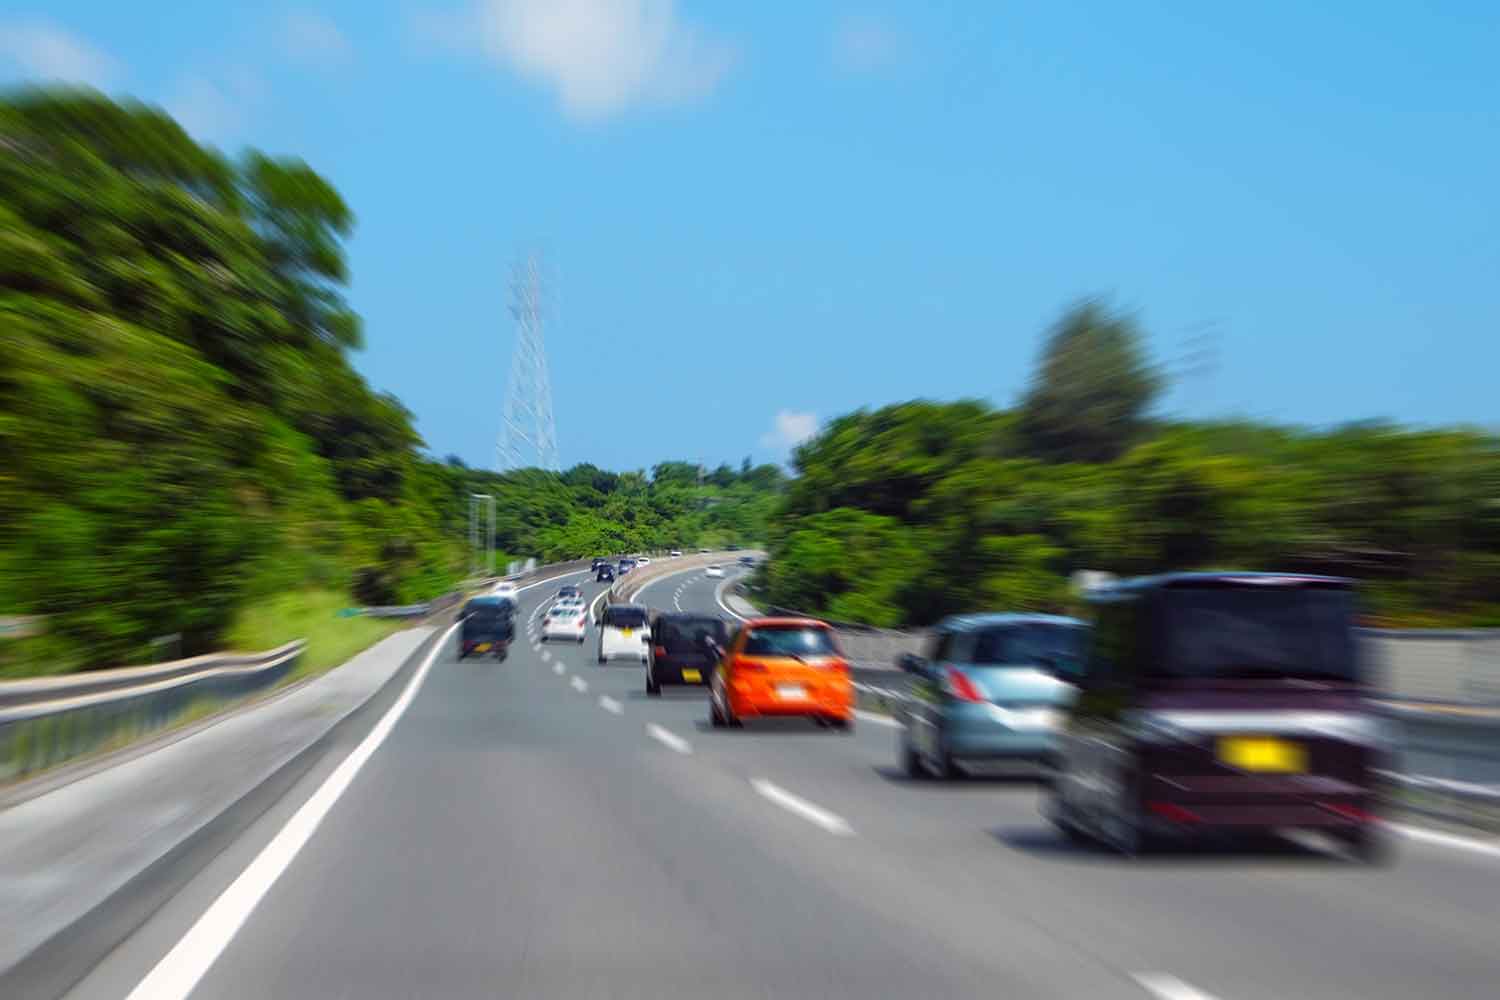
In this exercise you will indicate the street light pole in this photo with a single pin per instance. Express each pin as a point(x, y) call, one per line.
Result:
point(475, 526)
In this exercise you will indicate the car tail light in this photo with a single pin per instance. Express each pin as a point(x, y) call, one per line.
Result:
point(1348, 812)
point(1173, 812)
point(960, 687)
point(841, 666)
point(661, 651)
point(750, 666)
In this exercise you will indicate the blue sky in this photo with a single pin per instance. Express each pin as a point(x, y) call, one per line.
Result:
point(762, 215)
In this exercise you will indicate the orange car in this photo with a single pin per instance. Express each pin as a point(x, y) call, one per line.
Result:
point(782, 666)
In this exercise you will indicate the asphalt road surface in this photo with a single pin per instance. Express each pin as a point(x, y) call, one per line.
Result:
point(540, 828)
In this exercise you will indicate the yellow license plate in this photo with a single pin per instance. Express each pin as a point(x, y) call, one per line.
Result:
point(483, 647)
point(691, 675)
point(625, 632)
point(1263, 753)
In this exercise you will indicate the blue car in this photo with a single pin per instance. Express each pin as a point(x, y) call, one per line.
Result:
point(990, 689)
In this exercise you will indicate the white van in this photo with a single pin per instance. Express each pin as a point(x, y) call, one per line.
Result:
point(624, 633)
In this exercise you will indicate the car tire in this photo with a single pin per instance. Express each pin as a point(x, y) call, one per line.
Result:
point(912, 762)
point(603, 659)
point(1369, 845)
point(715, 717)
point(844, 726)
point(653, 689)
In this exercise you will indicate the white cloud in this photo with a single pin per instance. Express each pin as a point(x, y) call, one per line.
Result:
point(44, 50)
point(865, 44)
point(790, 429)
point(601, 57)
point(313, 38)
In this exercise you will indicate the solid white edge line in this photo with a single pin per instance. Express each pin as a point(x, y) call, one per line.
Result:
point(1168, 987)
point(668, 738)
point(879, 720)
point(557, 668)
point(814, 814)
point(610, 705)
point(546, 655)
point(1424, 835)
point(178, 972)
point(579, 684)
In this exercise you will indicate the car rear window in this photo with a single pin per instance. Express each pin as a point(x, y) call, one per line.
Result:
point(1032, 644)
point(625, 617)
point(1250, 632)
point(686, 634)
point(791, 641)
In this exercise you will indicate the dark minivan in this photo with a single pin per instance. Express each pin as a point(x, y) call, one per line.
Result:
point(1221, 703)
point(684, 649)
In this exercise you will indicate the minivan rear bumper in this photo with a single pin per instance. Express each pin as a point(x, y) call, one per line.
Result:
point(1187, 803)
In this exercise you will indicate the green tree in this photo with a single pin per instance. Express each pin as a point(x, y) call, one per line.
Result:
point(1092, 390)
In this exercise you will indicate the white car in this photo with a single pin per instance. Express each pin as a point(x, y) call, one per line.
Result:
point(565, 623)
point(568, 602)
point(505, 588)
point(714, 572)
point(624, 633)
point(675, 553)
point(642, 561)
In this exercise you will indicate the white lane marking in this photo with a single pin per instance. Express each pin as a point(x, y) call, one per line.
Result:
point(1166, 987)
point(179, 971)
point(557, 668)
point(719, 599)
point(668, 738)
point(546, 655)
point(579, 684)
point(814, 814)
point(879, 720)
point(1421, 833)
point(610, 705)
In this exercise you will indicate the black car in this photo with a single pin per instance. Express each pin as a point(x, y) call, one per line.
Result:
point(747, 560)
point(600, 561)
point(684, 650)
point(1220, 703)
point(626, 565)
point(488, 627)
point(604, 574)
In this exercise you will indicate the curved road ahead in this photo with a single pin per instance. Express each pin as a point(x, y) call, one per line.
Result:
point(540, 828)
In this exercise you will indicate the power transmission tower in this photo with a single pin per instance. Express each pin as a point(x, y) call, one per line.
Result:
point(528, 435)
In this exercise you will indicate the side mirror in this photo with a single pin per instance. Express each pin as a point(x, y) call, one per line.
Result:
point(911, 663)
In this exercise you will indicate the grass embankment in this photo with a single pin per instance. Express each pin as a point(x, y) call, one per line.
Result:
point(312, 615)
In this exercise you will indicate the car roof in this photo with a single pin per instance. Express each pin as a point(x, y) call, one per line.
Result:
point(490, 600)
point(785, 623)
point(994, 619)
point(687, 616)
point(1142, 584)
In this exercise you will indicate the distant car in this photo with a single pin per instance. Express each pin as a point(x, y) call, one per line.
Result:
point(991, 688)
point(684, 650)
point(643, 561)
point(702, 552)
point(675, 553)
point(570, 590)
point(565, 623)
point(599, 561)
point(626, 565)
point(624, 633)
point(782, 666)
point(604, 574)
point(747, 560)
point(716, 572)
point(505, 588)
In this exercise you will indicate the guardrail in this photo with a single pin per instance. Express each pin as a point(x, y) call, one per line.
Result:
point(47, 721)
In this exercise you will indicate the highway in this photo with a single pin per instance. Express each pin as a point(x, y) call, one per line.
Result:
point(540, 828)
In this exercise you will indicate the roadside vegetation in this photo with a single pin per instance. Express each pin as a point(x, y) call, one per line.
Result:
point(907, 513)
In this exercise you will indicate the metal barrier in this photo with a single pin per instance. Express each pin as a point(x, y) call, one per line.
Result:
point(49, 721)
